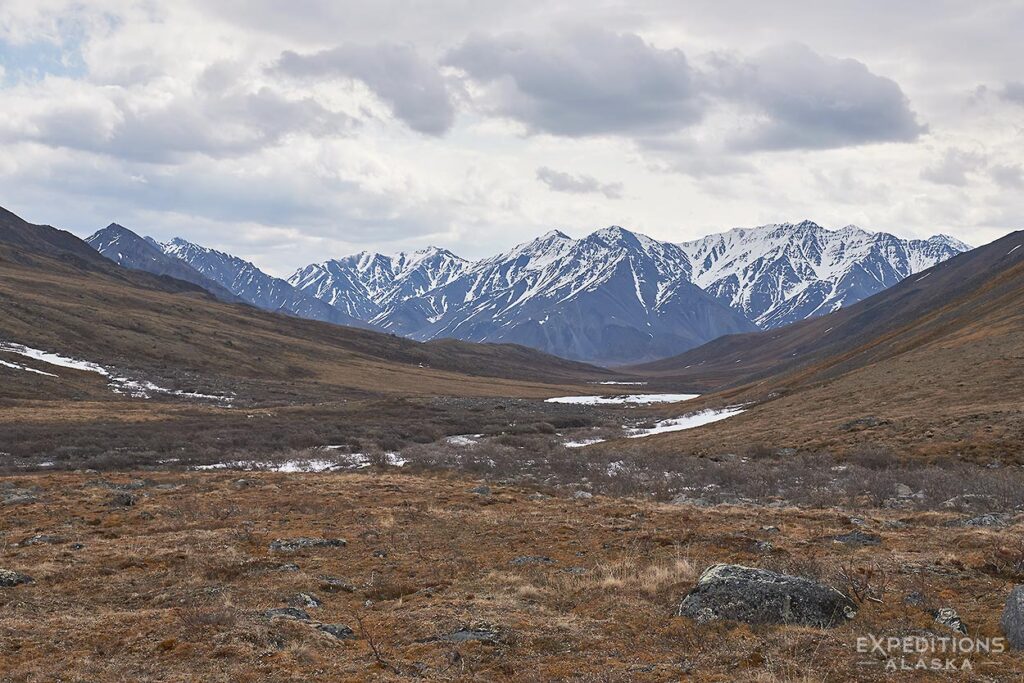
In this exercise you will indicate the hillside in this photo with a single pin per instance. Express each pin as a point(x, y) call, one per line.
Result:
point(934, 364)
point(59, 295)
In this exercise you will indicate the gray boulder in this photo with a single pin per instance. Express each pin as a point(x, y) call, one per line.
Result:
point(287, 613)
point(1013, 618)
point(948, 617)
point(760, 596)
point(339, 631)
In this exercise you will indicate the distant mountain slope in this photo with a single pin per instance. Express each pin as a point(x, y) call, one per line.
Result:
point(870, 328)
point(366, 285)
point(611, 297)
point(128, 249)
point(933, 365)
point(783, 273)
point(252, 285)
point(170, 332)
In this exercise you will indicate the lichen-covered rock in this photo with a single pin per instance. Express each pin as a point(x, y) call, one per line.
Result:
point(947, 616)
point(10, 578)
point(287, 613)
point(760, 596)
point(339, 631)
point(291, 545)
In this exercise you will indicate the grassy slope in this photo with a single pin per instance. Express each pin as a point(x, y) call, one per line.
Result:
point(173, 588)
point(937, 362)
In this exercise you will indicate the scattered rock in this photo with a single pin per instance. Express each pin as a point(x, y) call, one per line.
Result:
point(288, 568)
point(19, 496)
point(685, 499)
point(760, 596)
point(339, 631)
point(122, 499)
point(904, 491)
point(331, 584)
point(576, 571)
point(770, 529)
point(857, 539)
point(990, 520)
point(894, 524)
point(537, 496)
point(287, 613)
point(380, 553)
point(131, 485)
point(304, 600)
point(948, 617)
point(583, 495)
point(41, 539)
point(481, 490)
point(531, 559)
point(291, 545)
point(1013, 618)
point(764, 546)
point(915, 599)
point(857, 521)
point(861, 423)
point(10, 578)
point(970, 501)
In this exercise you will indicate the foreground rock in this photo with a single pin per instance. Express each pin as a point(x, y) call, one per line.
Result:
point(291, 545)
point(1013, 618)
point(10, 578)
point(760, 596)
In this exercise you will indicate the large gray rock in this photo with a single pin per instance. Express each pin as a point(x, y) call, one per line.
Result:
point(760, 596)
point(291, 545)
point(1013, 618)
point(10, 578)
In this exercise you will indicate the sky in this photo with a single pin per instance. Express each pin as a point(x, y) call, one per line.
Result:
point(290, 133)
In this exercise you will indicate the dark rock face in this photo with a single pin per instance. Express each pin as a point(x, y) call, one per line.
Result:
point(1013, 618)
point(759, 596)
point(291, 545)
point(10, 578)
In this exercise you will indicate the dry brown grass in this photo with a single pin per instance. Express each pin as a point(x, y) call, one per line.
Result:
point(173, 588)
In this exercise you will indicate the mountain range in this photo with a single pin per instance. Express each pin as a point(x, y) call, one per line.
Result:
point(612, 297)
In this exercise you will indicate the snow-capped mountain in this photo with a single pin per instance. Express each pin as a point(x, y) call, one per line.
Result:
point(781, 273)
point(368, 286)
point(252, 285)
point(612, 296)
point(124, 247)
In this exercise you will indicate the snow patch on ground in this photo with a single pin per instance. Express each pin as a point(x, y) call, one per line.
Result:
point(463, 439)
point(685, 422)
point(623, 399)
point(626, 384)
point(344, 462)
point(582, 442)
point(15, 366)
point(119, 385)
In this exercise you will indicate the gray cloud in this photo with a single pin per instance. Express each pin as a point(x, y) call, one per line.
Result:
point(577, 184)
point(1013, 92)
point(413, 88)
point(1008, 175)
point(813, 101)
point(582, 82)
point(953, 167)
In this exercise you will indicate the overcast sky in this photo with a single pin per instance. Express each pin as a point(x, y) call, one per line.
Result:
point(292, 132)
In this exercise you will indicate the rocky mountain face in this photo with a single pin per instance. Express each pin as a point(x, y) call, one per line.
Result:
point(612, 297)
point(781, 273)
point(124, 247)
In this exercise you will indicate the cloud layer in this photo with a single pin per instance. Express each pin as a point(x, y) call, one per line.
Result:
point(286, 135)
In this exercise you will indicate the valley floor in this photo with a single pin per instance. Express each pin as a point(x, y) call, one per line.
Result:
point(168, 575)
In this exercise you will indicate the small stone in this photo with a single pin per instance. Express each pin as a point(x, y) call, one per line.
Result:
point(481, 634)
point(770, 529)
point(904, 491)
point(287, 613)
point(583, 495)
point(948, 617)
point(335, 585)
point(41, 539)
point(989, 520)
point(575, 571)
point(339, 631)
point(380, 553)
point(122, 499)
point(291, 545)
point(10, 578)
point(481, 490)
point(857, 539)
point(531, 559)
point(304, 600)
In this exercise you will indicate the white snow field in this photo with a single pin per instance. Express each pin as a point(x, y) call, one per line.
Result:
point(677, 424)
point(623, 399)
